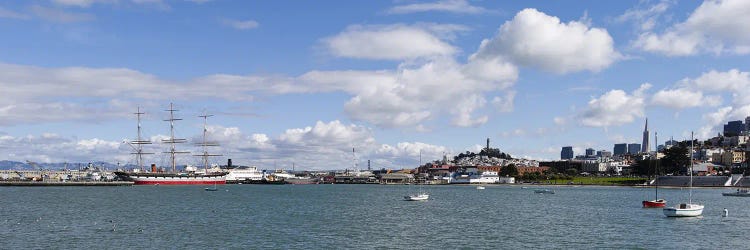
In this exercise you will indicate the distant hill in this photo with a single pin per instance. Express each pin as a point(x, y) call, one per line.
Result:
point(15, 165)
point(487, 152)
point(490, 157)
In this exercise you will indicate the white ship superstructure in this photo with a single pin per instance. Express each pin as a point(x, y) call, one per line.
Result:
point(244, 174)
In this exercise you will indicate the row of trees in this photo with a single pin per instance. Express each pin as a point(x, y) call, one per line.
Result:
point(512, 170)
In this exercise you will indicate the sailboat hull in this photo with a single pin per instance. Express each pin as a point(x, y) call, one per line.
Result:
point(684, 210)
point(655, 203)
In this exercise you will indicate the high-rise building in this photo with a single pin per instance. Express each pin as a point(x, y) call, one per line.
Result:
point(620, 149)
point(733, 128)
point(566, 153)
point(634, 148)
point(645, 143)
point(604, 154)
point(590, 152)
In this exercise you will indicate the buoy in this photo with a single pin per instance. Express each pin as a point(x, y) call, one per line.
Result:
point(726, 213)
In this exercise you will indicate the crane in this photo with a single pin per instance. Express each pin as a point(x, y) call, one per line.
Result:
point(21, 175)
point(37, 167)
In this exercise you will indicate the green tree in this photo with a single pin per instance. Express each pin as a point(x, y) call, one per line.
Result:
point(675, 159)
point(646, 167)
point(531, 176)
point(509, 170)
point(571, 172)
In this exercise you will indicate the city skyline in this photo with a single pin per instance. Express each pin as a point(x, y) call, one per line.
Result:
point(304, 83)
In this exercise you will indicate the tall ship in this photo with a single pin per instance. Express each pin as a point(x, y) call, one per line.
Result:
point(188, 176)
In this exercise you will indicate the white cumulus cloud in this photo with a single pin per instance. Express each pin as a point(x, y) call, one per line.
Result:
point(683, 98)
point(535, 39)
point(716, 26)
point(615, 107)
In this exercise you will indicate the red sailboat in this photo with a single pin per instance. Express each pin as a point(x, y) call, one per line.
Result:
point(656, 203)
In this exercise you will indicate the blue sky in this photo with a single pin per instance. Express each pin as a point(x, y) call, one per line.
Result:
point(305, 82)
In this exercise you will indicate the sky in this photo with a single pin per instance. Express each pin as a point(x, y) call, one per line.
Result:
point(305, 82)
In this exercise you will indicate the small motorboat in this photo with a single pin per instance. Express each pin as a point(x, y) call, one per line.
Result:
point(480, 187)
point(417, 197)
point(738, 193)
point(544, 191)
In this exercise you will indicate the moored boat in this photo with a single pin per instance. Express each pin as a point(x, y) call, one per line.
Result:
point(417, 197)
point(544, 191)
point(172, 178)
point(654, 203)
point(684, 210)
point(245, 175)
point(421, 195)
point(189, 175)
point(738, 193)
point(302, 180)
point(688, 209)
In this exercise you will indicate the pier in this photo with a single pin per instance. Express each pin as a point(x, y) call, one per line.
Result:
point(66, 183)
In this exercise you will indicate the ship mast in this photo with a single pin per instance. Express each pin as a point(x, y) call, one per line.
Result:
point(354, 160)
point(172, 140)
point(139, 142)
point(205, 144)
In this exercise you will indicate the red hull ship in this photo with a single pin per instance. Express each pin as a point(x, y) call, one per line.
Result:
point(189, 176)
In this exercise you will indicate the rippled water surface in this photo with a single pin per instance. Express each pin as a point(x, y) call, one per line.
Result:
point(362, 216)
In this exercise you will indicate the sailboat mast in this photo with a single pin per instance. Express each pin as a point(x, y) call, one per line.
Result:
point(420, 163)
point(656, 170)
point(690, 195)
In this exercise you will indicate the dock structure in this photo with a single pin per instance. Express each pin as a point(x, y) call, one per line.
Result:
point(66, 183)
point(56, 176)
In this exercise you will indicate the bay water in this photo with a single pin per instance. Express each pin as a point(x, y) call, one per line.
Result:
point(363, 217)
